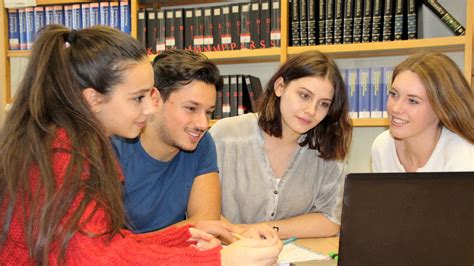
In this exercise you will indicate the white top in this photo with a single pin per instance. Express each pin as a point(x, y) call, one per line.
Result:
point(452, 153)
point(250, 191)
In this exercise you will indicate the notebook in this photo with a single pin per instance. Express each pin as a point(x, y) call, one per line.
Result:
point(408, 219)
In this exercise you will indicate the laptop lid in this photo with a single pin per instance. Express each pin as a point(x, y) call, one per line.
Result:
point(408, 219)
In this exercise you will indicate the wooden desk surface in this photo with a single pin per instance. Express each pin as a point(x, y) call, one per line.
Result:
point(321, 245)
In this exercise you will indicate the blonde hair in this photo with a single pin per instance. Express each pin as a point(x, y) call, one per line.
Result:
point(449, 93)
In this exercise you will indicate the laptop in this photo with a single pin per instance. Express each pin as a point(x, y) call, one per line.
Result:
point(408, 219)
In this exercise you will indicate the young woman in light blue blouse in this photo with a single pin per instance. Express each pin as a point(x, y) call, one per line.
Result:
point(284, 166)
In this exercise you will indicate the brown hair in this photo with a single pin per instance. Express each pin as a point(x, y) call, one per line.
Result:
point(332, 136)
point(50, 97)
point(449, 93)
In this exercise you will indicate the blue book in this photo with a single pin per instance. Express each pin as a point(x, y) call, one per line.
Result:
point(40, 20)
point(30, 27)
point(49, 15)
point(58, 14)
point(13, 30)
point(353, 92)
point(95, 15)
point(364, 93)
point(104, 11)
point(76, 17)
point(22, 28)
point(86, 15)
point(114, 15)
point(68, 16)
point(376, 96)
point(125, 16)
point(387, 84)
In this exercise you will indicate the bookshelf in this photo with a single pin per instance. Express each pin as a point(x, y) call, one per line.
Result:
point(463, 44)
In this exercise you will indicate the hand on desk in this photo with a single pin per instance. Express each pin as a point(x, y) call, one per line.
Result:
point(248, 251)
point(219, 229)
point(255, 231)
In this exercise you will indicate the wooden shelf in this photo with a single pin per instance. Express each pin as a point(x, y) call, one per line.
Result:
point(60, 2)
point(392, 48)
point(357, 122)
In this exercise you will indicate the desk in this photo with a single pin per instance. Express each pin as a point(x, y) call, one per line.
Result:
point(321, 245)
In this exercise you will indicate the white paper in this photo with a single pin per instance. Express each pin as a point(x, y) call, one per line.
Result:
point(19, 3)
point(294, 253)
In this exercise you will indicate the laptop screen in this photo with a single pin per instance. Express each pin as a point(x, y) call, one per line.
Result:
point(408, 219)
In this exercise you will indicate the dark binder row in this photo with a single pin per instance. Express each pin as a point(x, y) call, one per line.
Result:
point(322, 22)
point(250, 25)
point(238, 96)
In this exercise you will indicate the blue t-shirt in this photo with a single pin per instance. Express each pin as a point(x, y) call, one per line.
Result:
point(156, 193)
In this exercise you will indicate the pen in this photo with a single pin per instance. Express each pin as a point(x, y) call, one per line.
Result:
point(237, 236)
point(289, 240)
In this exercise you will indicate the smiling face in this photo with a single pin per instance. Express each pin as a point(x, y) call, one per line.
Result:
point(409, 109)
point(184, 117)
point(125, 111)
point(304, 102)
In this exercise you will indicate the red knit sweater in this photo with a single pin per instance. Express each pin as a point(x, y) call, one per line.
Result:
point(170, 246)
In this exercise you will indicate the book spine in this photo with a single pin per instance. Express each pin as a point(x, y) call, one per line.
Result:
point(160, 31)
point(95, 16)
point(358, 16)
point(198, 39)
point(188, 28)
point(49, 15)
point(376, 97)
point(265, 24)
point(233, 96)
point(254, 16)
point(364, 93)
point(329, 22)
point(208, 30)
point(367, 21)
point(141, 22)
point(387, 83)
point(312, 22)
point(295, 23)
point(104, 10)
point(22, 28)
point(217, 114)
point(76, 17)
point(240, 95)
point(412, 30)
point(322, 22)
point(218, 28)
point(125, 16)
point(245, 37)
point(339, 20)
point(275, 35)
point(387, 23)
point(13, 30)
point(86, 15)
point(39, 16)
point(303, 22)
point(250, 93)
point(398, 24)
point(445, 16)
point(114, 15)
point(68, 16)
point(151, 31)
point(30, 27)
point(226, 97)
point(348, 21)
point(377, 21)
point(179, 28)
point(170, 42)
point(235, 30)
point(226, 35)
point(353, 92)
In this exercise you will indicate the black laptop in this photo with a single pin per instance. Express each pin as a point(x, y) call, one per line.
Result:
point(408, 219)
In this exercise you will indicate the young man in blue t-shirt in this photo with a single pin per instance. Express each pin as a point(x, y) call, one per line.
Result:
point(171, 173)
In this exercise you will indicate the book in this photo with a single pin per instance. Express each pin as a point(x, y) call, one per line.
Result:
point(125, 16)
point(312, 22)
point(364, 93)
point(376, 97)
point(387, 24)
point(294, 23)
point(367, 21)
point(76, 17)
point(86, 15)
point(265, 24)
point(245, 37)
point(399, 21)
point(218, 28)
point(225, 97)
point(141, 22)
point(412, 26)
point(198, 37)
point(339, 20)
point(233, 95)
point(22, 28)
point(217, 114)
point(30, 27)
point(377, 14)
point(170, 39)
point(188, 28)
point(95, 16)
point(68, 16)
point(254, 16)
point(275, 36)
point(352, 87)
point(39, 16)
point(226, 34)
point(445, 16)
point(49, 15)
point(387, 84)
point(13, 30)
point(348, 21)
point(160, 31)
point(329, 22)
point(322, 22)
point(104, 10)
point(179, 28)
point(151, 30)
point(358, 16)
point(235, 30)
point(240, 95)
point(114, 21)
point(252, 88)
point(208, 30)
point(303, 23)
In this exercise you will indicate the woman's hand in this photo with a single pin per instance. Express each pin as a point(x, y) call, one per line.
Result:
point(204, 241)
point(248, 251)
point(255, 231)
